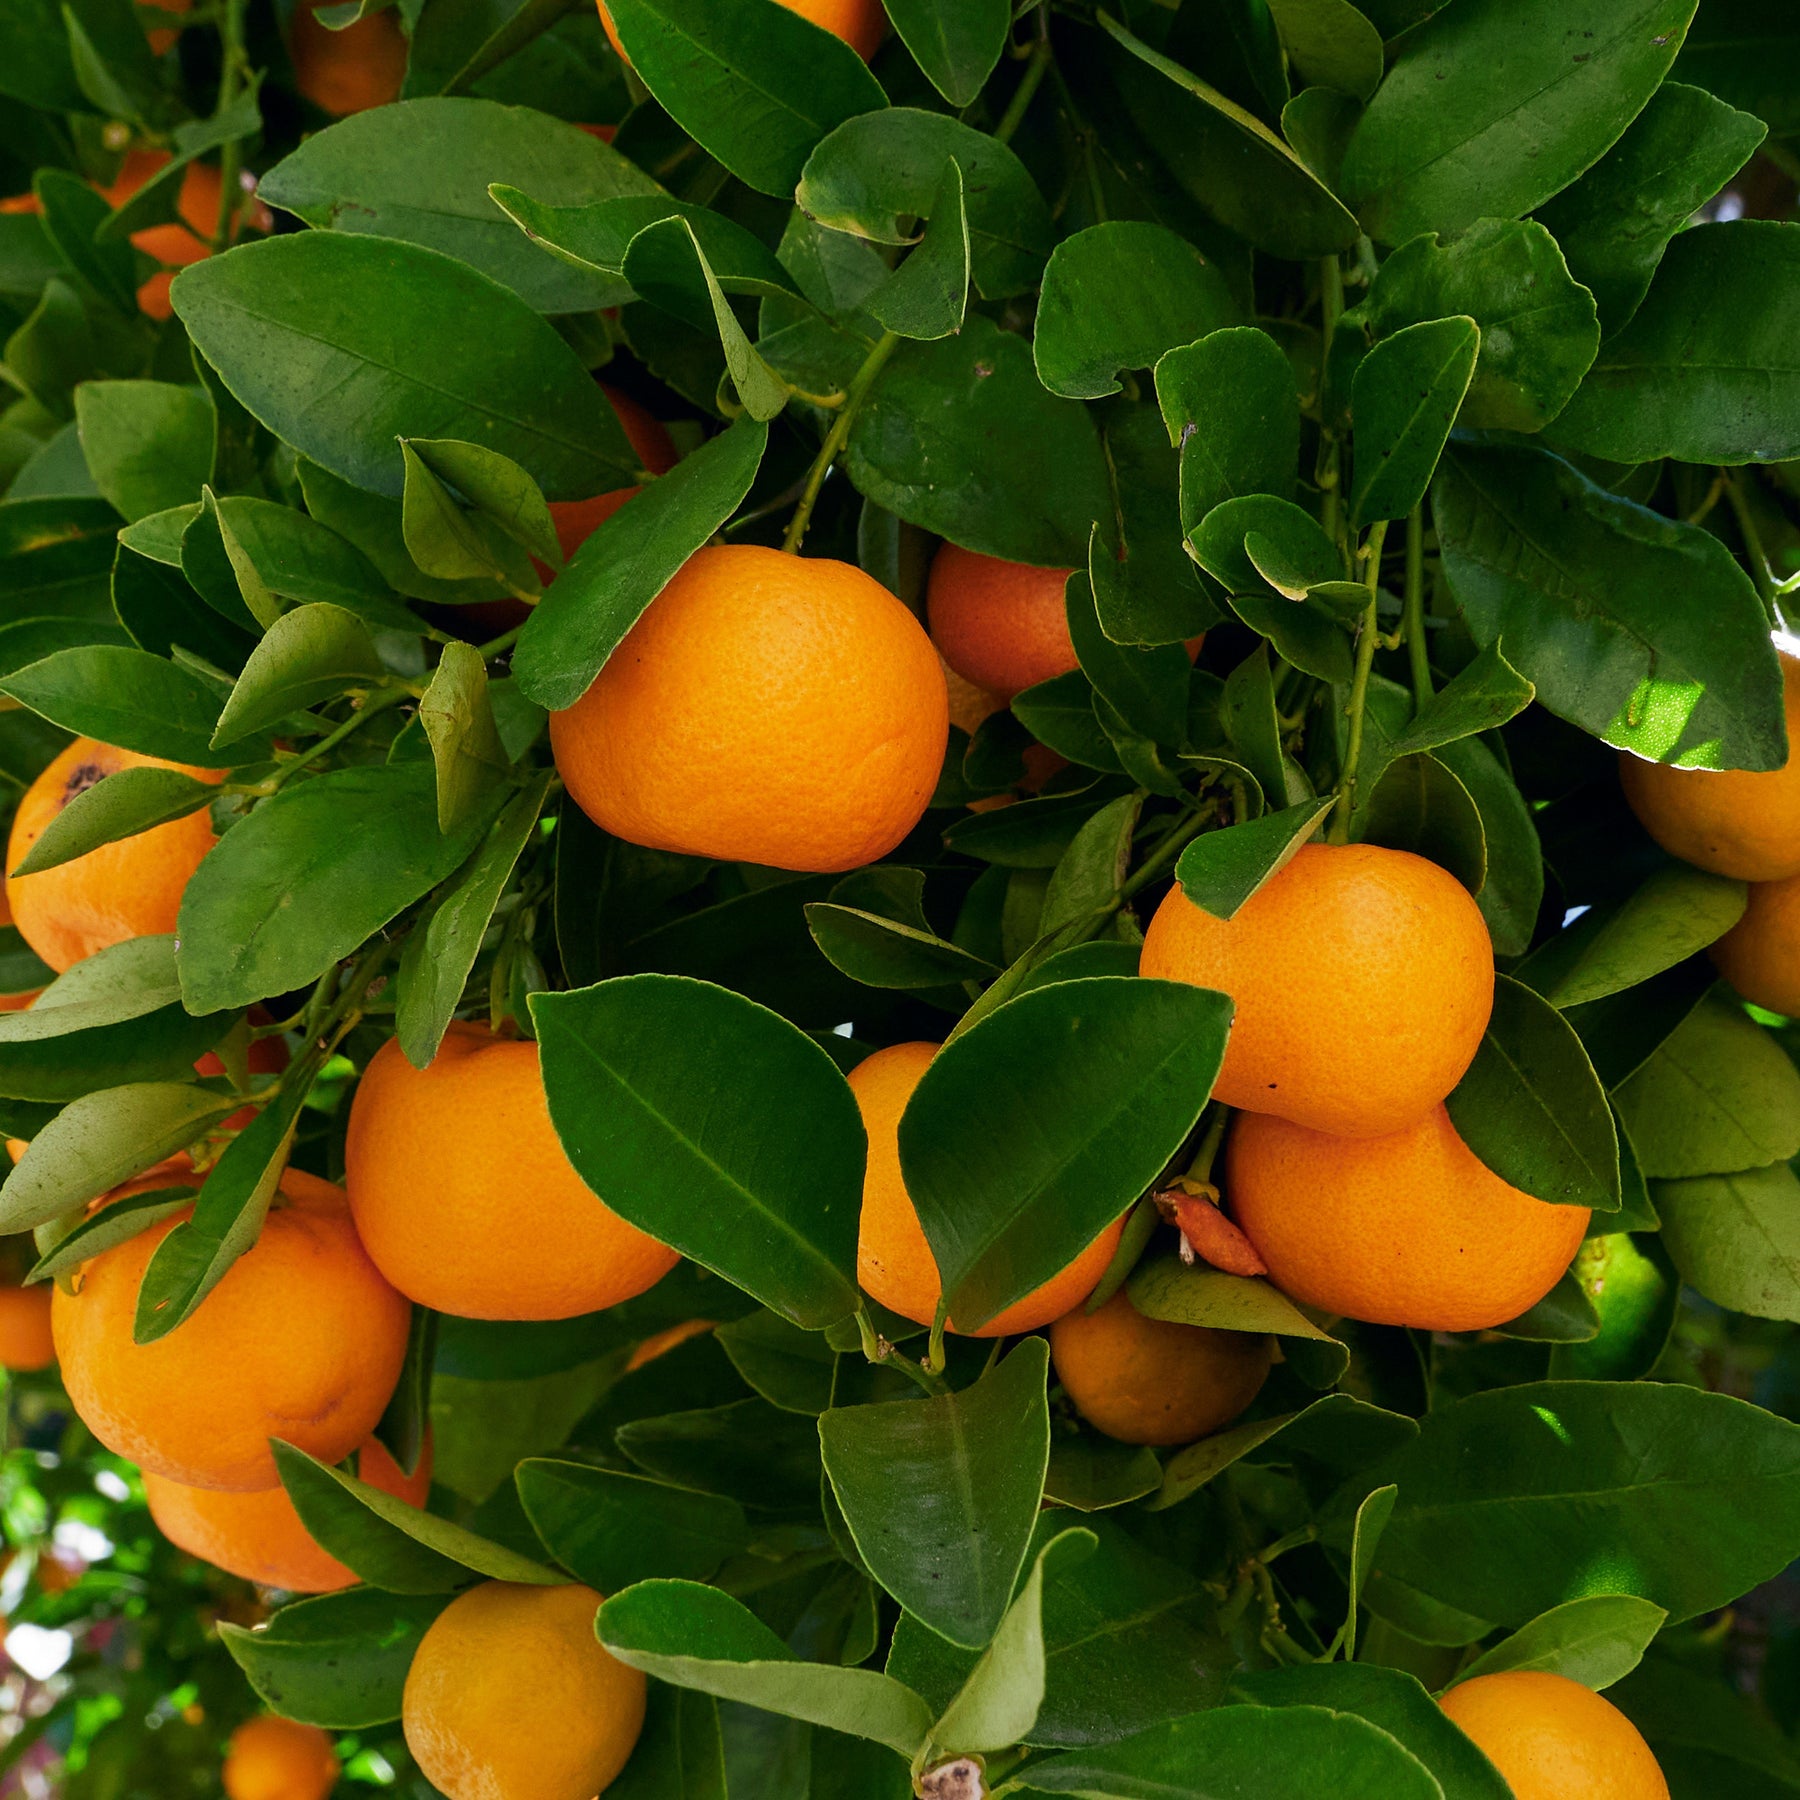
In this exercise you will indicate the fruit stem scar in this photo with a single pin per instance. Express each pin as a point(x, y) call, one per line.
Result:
point(1366, 636)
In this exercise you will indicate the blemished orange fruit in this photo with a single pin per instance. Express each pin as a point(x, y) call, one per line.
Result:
point(1151, 1381)
point(259, 1536)
point(1553, 1739)
point(1409, 1229)
point(303, 1339)
point(894, 1263)
point(862, 24)
point(512, 1697)
point(279, 1759)
point(766, 708)
point(1760, 954)
point(131, 888)
point(464, 1197)
point(25, 1341)
point(348, 71)
point(1731, 821)
point(1363, 979)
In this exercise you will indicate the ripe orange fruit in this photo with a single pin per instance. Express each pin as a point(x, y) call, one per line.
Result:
point(1151, 1381)
point(303, 1340)
point(862, 24)
point(279, 1759)
point(894, 1263)
point(1408, 1229)
point(1363, 980)
point(767, 709)
point(1553, 1739)
point(1730, 821)
point(186, 240)
point(25, 1341)
point(577, 520)
point(127, 889)
point(1760, 954)
point(464, 1197)
point(259, 1536)
point(511, 1695)
point(348, 71)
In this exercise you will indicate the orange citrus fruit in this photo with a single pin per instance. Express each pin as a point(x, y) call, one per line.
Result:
point(1000, 625)
point(1760, 954)
point(25, 1341)
point(439, 1163)
point(1408, 1229)
point(662, 1342)
point(259, 1535)
point(348, 71)
point(512, 1697)
point(279, 1759)
point(767, 709)
point(1151, 1381)
point(127, 889)
point(1363, 979)
point(894, 1263)
point(862, 24)
point(1553, 1739)
point(302, 1339)
point(1731, 821)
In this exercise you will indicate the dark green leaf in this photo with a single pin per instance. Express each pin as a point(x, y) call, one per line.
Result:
point(941, 1494)
point(126, 697)
point(717, 1127)
point(148, 444)
point(1329, 42)
point(1405, 399)
point(884, 953)
point(792, 1369)
point(1493, 105)
point(1220, 870)
point(1641, 630)
point(956, 42)
point(928, 294)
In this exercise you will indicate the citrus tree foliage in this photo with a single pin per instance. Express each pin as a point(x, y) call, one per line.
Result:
point(1407, 352)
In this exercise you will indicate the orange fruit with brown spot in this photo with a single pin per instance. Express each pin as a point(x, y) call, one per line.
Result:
point(765, 708)
point(862, 24)
point(1408, 1229)
point(512, 1697)
point(1363, 979)
point(25, 1341)
point(1760, 954)
point(279, 1759)
point(348, 71)
point(127, 889)
point(302, 1340)
point(894, 1263)
point(1151, 1381)
point(1733, 822)
point(1554, 1739)
point(259, 1536)
point(464, 1196)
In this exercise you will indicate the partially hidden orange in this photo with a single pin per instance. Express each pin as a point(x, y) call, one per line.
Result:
point(766, 708)
point(162, 37)
point(279, 1759)
point(25, 1340)
point(862, 24)
point(131, 888)
point(1153, 1381)
point(577, 520)
point(1554, 1739)
point(259, 1536)
point(512, 1697)
point(348, 71)
point(1000, 625)
point(1731, 821)
point(1760, 954)
point(1363, 979)
point(1408, 1229)
point(463, 1194)
point(894, 1263)
point(302, 1339)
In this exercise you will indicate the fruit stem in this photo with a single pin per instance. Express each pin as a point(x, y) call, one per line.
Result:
point(835, 439)
point(380, 701)
point(1366, 636)
point(1417, 654)
point(1144, 1219)
point(1029, 83)
point(1174, 841)
point(1753, 544)
point(1200, 1169)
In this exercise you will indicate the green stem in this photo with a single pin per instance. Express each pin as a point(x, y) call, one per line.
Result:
point(500, 645)
point(1023, 95)
point(1753, 544)
point(1174, 841)
point(1200, 1169)
point(837, 437)
point(1418, 654)
point(231, 80)
point(382, 700)
point(1331, 296)
point(1359, 687)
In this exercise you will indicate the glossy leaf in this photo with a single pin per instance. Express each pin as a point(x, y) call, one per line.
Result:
point(941, 1494)
point(1736, 1238)
point(717, 1127)
point(1013, 1175)
point(1490, 108)
point(1405, 400)
point(312, 654)
point(1641, 630)
point(125, 697)
point(928, 294)
point(125, 803)
point(147, 444)
point(1596, 1641)
point(956, 42)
